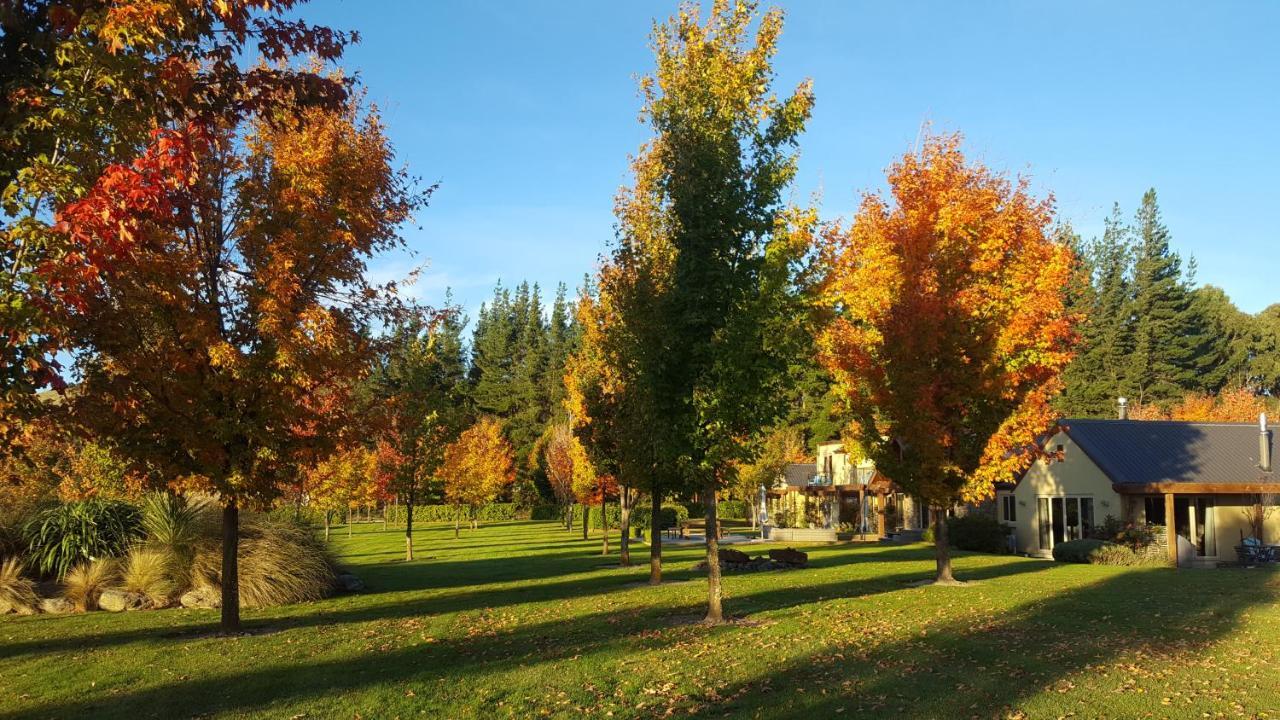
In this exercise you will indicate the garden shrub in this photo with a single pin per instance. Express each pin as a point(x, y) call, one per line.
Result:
point(280, 563)
point(63, 535)
point(17, 594)
point(1113, 554)
point(1077, 551)
point(11, 543)
point(978, 533)
point(85, 582)
point(733, 509)
point(927, 534)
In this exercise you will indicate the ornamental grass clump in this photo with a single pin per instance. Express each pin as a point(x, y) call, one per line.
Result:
point(280, 563)
point(17, 594)
point(150, 573)
point(84, 583)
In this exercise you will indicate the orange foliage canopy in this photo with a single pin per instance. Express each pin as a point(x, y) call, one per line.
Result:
point(479, 465)
point(1239, 405)
point(949, 331)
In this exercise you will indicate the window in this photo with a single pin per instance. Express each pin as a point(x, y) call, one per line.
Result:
point(1008, 508)
point(1064, 518)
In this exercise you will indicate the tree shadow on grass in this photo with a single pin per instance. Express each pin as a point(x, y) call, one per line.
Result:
point(489, 590)
point(489, 648)
point(1058, 646)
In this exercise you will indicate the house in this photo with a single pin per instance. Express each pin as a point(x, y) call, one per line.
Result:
point(837, 491)
point(1204, 482)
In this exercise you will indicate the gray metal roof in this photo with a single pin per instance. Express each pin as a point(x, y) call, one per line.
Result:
point(1139, 452)
point(799, 474)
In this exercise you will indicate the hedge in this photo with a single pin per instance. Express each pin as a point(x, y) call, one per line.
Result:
point(493, 512)
point(731, 509)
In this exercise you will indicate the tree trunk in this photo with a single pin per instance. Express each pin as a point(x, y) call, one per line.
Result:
point(655, 540)
point(586, 520)
point(568, 517)
point(941, 548)
point(408, 528)
point(715, 612)
point(604, 526)
point(230, 567)
point(350, 521)
point(326, 526)
point(457, 522)
point(624, 524)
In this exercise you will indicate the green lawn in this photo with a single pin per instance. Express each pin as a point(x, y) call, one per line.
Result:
point(521, 620)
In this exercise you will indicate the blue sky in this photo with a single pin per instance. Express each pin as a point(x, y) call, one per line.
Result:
point(526, 113)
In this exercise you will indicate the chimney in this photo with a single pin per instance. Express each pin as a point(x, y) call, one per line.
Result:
point(1264, 444)
point(1124, 408)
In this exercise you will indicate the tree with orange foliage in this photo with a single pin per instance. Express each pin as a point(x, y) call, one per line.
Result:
point(477, 468)
point(593, 490)
point(1239, 405)
point(84, 84)
point(554, 453)
point(949, 332)
point(217, 287)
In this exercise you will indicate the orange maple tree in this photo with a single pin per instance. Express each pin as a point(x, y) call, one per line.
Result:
point(949, 332)
point(217, 288)
point(477, 468)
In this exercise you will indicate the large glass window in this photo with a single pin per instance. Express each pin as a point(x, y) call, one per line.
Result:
point(1064, 518)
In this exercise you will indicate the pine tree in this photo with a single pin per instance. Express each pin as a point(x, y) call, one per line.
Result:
point(1161, 364)
point(1102, 294)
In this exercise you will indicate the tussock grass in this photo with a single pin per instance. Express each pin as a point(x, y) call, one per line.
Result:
point(86, 581)
point(149, 572)
point(280, 563)
point(17, 594)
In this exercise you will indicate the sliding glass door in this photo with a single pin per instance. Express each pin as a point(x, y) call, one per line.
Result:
point(1063, 518)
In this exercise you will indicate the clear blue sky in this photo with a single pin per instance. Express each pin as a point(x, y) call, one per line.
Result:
point(526, 113)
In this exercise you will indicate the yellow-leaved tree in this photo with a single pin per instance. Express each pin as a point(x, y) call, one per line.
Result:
point(477, 468)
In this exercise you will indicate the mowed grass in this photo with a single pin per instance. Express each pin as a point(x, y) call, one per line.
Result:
point(521, 620)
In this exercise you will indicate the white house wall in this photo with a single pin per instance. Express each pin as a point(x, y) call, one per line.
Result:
point(1074, 475)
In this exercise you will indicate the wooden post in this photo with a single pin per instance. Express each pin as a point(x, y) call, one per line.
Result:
point(1170, 522)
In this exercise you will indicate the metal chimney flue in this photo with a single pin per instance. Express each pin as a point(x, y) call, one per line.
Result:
point(1264, 444)
point(1124, 408)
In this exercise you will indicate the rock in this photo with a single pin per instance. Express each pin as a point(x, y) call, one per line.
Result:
point(346, 582)
point(206, 598)
point(791, 557)
point(729, 555)
point(56, 606)
point(116, 600)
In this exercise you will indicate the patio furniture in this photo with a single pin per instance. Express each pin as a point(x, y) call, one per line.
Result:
point(1253, 552)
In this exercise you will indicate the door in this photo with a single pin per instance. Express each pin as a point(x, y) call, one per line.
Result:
point(1194, 520)
point(1063, 518)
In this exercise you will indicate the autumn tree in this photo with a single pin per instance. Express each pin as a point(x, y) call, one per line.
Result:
point(777, 449)
point(340, 483)
point(216, 290)
point(1238, 405)
point(418, 388)
point(555, 452)
point(477, 468)
point(84, 84)
point(949, 329)
point(703, 243)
